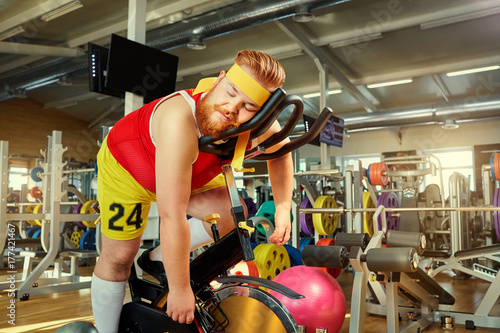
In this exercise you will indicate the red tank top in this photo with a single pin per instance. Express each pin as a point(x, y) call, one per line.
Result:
point(129, 141)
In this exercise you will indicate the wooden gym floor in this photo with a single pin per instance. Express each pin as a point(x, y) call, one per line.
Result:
point(46, 313)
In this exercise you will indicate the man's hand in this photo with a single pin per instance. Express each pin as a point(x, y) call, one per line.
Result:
point(180, 305)
point(281, 234)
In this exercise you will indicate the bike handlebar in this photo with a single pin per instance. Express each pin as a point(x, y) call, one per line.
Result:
point(302, 140)
point(261, 122)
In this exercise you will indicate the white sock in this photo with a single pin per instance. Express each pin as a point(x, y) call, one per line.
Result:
point(199, 238)
point(107, 302)
point(155, 254)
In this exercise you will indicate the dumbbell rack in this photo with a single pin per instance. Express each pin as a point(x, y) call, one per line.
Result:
point(41, 280)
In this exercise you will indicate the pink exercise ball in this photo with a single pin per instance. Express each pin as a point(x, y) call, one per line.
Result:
point(324, 303)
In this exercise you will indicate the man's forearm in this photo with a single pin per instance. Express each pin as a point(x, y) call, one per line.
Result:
point(175, 252)
point(281, 176)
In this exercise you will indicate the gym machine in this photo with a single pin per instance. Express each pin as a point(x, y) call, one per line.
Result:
point(40, 280)
point(422, 300)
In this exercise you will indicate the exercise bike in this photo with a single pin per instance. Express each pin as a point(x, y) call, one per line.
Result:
point(239, 304)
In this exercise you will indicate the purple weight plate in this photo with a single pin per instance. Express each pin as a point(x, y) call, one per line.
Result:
point(76, 210)
point(389, 200)
point(496, 214)
point(306, 222)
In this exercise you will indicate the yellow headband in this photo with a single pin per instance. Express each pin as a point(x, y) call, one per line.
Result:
point(242, 80)
point(248, 85)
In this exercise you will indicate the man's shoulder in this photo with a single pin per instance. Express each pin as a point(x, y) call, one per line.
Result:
point(174, 113)
point(174, 104)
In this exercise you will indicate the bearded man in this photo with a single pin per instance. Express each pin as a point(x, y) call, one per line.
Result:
point(152, 155)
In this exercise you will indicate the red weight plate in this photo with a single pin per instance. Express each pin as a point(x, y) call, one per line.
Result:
point(496, 162)
point(384, 170)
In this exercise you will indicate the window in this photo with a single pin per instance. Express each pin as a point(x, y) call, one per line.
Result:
point(366, 160)
point(460, 161)
point(17, 177)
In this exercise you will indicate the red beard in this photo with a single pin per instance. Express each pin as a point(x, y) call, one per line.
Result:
point(206, 122)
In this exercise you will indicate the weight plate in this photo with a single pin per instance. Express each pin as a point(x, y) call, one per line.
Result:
point(29, 210)
point(248, 268)
point(76, 210)
point(271, 260)
point(87, 209)
point(306, 221)
point(251, 207)
point(37, 233)
point(30, 231)
point(477, 225)
point(263, 226)
point(496, 214)
point(267, 210)
point(37, 210)
point(368, 216)
point(377, 174)
point(496, 162)
point(12, 210)
point(87, 242)
point(75, 238)
point(389, 200)
point(384, 173)
point(372, 173)
point(36, 193)
point(13, 197)
point(325, 223)
point(306, 241)
point(294, 254)
point(492, 166)
point(34, 174)
point(368, 174)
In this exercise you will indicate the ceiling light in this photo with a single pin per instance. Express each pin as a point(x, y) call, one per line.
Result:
point(475, 70)
point(64, 9)
point(196, 43)
point(460, 18)
point(356, 40)
point(449, 124)
point(391, 83)
point(11, 32)
point(303, 15)
point(330, 92)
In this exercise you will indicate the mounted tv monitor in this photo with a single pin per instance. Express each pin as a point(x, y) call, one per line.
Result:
point(98, 63)
point(308, 122)
point(333, 132)
point(140, 69)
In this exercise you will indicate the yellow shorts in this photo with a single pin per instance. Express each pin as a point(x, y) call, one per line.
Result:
point(123, 202)
point(217, 181)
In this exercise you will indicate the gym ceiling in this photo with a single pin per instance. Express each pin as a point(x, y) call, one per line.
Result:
point(348, 45)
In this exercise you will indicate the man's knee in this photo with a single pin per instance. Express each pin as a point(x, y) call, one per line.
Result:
point(119, 254)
